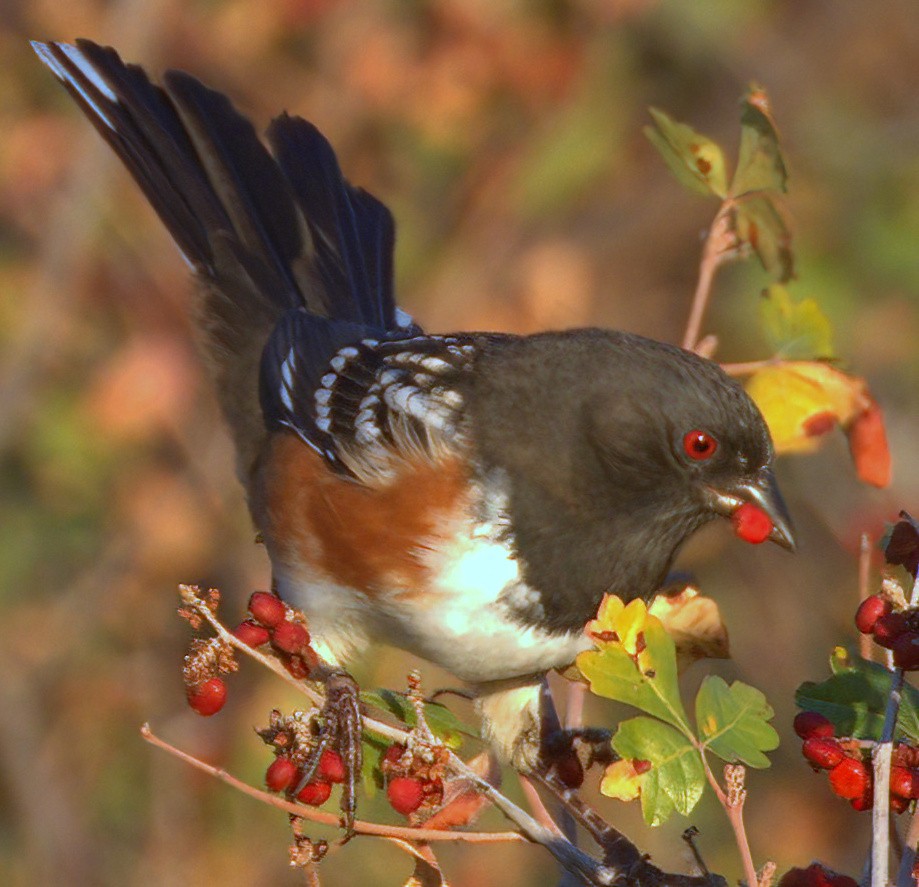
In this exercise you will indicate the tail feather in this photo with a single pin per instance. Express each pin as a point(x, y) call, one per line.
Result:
point(264, 234)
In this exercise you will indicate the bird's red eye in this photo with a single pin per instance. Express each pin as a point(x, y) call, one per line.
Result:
point(699, 445)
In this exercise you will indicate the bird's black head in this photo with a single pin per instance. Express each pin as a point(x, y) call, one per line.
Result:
point(617, 448)
point(671, 427)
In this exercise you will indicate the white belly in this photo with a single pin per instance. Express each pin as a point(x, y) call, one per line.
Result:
point(464, 622)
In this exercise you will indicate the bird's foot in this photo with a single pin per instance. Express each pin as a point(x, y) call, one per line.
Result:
point(565, 753)
point(335, 755)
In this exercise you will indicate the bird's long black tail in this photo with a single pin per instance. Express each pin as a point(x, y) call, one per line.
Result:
point(264, 232)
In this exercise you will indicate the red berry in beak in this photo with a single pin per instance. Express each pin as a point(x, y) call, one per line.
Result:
point(751, 523)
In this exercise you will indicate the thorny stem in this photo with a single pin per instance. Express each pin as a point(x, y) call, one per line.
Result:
point(883, 751)
point(720, 245)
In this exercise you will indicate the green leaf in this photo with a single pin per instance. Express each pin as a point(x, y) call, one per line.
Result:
point(733, 722)
point(796, 330)
point(854, 698)
point(758, 223)
point(443, 723)
point(694, 159)
point(676, 779)
point(760, 166)
point(652, 687)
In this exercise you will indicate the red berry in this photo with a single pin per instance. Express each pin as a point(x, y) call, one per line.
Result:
point(267, 608)
point(850, 779)
point(291, 637)
point(906, 650)
point(808, 724)
point(815, 875)
point(315, 793)
point(405, 794)
point(751, 523)
point(888, 628)
point(904, 782)
point(641, 766)
point(251, 633)
point(862, 803)
point(331, 767)
point(870, 610)
point(394, 754)
point(570, 771)
point(281, 774)
point(823, 753)
point(842, 881)
point(899, 805)
point(208, 698)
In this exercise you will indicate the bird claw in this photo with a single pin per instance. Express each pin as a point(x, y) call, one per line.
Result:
point(558, 753)
point(340, 731)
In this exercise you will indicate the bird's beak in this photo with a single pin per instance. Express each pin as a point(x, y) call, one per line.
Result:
point(763, 492)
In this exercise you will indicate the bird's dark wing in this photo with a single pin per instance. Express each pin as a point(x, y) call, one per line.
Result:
point(371, 404)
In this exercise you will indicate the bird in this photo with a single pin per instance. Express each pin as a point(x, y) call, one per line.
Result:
point(467, 497)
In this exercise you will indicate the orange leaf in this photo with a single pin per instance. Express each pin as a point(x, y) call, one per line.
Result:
point(868, 446)
point(803, 400)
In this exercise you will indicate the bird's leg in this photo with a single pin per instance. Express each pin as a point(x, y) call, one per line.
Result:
point(339, 731)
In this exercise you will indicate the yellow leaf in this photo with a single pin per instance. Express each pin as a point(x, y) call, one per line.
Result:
point(619, 623)
point(802, 400)
point(695, 624)
point(621, 781)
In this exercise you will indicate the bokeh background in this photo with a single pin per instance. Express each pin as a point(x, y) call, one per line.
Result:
point(506, 136)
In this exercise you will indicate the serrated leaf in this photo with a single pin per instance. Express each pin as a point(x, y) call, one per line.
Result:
point(795, 330)
point(443, 723)
point(760, 166)
point(646, 680)
point(696, 160)
point(733, 722)
point(676, 779)
point(803, 400)
point(854, 698)
point(758, 222)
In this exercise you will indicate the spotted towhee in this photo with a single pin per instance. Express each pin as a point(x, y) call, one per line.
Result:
point(466, 497)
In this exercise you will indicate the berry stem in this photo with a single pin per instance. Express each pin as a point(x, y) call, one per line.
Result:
point(865, 645)
point(881, 756)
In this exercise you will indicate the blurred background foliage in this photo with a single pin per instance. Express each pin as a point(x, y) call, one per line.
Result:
point(506, 137)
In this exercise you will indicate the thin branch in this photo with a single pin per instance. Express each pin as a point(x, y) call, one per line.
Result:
point(720, 245)
point(905, 876)
point(750, 367)
point(865, 644)
point(330, 819)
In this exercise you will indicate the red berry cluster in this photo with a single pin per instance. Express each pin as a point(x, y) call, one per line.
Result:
point(413, 781)
point(897, 630)
point(849, 765)
point(272, 623)
point(283, 774)
point(816, 875)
